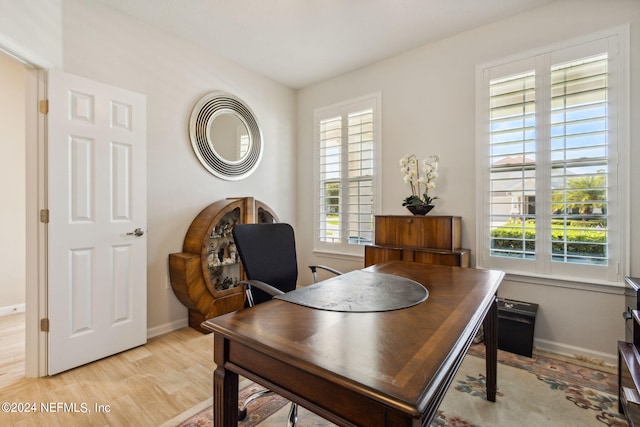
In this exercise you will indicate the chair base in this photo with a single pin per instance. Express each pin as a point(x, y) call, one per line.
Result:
point(242, 412)
point(292, 418)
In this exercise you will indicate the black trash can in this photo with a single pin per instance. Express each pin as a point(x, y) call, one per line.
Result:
point(516, 323)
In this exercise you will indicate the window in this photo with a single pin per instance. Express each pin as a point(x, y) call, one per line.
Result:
point(550, 139)
point(346, 145)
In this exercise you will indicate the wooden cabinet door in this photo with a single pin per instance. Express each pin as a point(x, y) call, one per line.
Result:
point(398, 231)
point(409, 232)
point(438, 233)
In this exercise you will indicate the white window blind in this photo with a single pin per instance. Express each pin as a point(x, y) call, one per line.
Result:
point(579, 161)
point(513, 168)
point(346, 136)
point(360, 179)
point(331, 180)
point(551, 152)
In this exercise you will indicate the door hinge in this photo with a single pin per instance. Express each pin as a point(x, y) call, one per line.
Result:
point(44, 324)
point(44, 106)
point(44, 216)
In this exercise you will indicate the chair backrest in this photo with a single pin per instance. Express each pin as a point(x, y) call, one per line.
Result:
point(268, 254)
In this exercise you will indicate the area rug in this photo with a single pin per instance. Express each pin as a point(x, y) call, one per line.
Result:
point(532, 392)
point(258, 410)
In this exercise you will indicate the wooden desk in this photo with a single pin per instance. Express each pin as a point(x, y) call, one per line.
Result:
point(376, 369)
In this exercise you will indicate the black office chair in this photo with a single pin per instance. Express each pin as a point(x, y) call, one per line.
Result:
point(268, 255)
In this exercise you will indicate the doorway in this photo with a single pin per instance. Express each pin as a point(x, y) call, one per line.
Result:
point(12, 218)
point(37, 193)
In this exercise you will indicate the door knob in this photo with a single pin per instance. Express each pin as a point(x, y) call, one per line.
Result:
point(137, 232)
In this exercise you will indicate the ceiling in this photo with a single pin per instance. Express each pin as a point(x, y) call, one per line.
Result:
point(301, 42)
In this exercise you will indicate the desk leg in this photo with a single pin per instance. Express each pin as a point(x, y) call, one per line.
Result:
point(491, 343)
point(225, 387)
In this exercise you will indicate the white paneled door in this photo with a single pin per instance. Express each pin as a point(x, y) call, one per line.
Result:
point(97, 285)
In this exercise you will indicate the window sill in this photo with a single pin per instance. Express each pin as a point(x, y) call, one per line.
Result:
point(346, 256)
point(583, 285)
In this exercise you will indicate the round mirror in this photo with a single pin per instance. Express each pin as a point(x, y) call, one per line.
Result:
point(229, 136)
point(225, 136)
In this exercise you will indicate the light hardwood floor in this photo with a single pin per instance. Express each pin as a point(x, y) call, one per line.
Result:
point(145, 386)
point(11, 348)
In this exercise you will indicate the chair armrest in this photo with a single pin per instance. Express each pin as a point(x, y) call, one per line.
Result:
point(248, 284)
point(262, 286)
point(323, 267)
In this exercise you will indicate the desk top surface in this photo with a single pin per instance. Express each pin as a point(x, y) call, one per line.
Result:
point(359, 291)
point(398, 357)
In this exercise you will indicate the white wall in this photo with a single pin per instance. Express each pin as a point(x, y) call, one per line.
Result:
point(33, 29)
point(428, 107)
point(109, 47)
point(12, 185)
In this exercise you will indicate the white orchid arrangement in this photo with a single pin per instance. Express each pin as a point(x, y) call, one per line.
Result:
point(419, 177)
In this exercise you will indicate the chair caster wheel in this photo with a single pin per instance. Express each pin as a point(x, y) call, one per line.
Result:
point(242, 414)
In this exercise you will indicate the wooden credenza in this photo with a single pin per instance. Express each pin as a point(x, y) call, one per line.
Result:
point(424, 239)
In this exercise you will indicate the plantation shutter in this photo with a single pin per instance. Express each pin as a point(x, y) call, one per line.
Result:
point(550, 127)
point(360, 180)
point(346, 199)
point(330, 179)
point(579, 161)
point(346, 140)
point(513, 168)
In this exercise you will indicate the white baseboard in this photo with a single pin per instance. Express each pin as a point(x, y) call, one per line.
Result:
point(152, 332)
point(167, 327)
point(11, 309)
point(610, 359)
